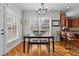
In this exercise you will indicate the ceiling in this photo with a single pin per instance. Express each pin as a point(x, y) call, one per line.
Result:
point(72, 9)
point(50, 6)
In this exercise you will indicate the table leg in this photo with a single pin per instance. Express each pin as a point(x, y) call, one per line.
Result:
point(40, 46)
point(53, 45)
point(28, 44)
point(49, 46)
point(24, 45)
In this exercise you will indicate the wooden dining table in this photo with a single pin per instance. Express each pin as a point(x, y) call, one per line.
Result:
point(38, 43)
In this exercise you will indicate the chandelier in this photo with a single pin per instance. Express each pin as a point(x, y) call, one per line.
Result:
point(42, 10)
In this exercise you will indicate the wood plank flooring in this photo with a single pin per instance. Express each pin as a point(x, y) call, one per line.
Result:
point(36, 51)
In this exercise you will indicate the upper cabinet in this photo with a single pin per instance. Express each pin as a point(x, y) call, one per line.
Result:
point(75, 22)
point(67, 22)
point(62, 19)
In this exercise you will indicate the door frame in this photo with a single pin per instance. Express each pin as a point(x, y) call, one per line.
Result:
point(2, 5)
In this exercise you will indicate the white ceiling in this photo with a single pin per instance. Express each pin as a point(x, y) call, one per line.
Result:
point(72, 11)
point(51, 6)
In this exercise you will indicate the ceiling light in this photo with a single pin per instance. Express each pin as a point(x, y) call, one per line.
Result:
point(42, 10)
point(67, 7)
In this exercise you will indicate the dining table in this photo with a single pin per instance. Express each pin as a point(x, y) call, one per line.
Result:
point(48, 38)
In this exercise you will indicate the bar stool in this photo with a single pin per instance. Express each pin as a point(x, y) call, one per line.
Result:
point(76, 46)
point(70, 41)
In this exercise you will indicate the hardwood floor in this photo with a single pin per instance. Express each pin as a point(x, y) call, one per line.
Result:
point(36, 51)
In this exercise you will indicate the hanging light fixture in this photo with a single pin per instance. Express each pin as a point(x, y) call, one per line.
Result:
point(42, 10)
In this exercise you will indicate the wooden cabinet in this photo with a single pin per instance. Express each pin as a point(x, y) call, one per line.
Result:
point(75, 22)
point(72, 38)
point(77, 43)
point(66, 21)
point(69, 23)
point(62, 19)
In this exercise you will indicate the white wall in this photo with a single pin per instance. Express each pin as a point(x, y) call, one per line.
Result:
point(55, 15)
point(29, 15)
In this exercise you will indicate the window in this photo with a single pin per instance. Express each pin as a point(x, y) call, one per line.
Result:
point(11, 25)
point(41, 26)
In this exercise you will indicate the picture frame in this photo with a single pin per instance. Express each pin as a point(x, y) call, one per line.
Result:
point(55, 23)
